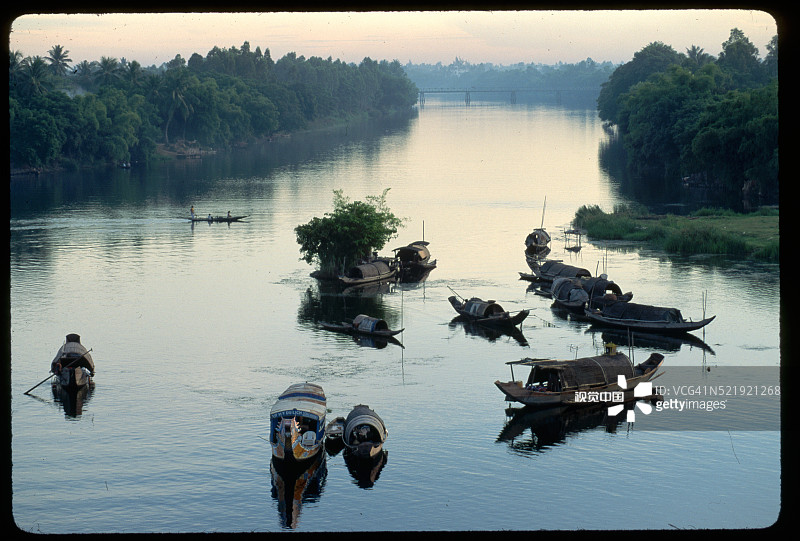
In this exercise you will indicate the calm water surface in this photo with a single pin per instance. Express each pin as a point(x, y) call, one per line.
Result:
point(196, 330)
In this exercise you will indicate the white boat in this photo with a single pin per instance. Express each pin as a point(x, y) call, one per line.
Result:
point(297, 423)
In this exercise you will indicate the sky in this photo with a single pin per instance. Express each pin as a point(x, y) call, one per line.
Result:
point(497, 37)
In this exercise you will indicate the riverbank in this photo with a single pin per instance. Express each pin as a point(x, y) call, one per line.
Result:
point(753, 236)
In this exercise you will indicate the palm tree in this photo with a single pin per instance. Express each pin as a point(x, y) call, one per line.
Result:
point(133, 73)
point(58, 58)
point(107, 70)
point(14, 63)
point(698, 57)
point(177, 82)
point(36, 78)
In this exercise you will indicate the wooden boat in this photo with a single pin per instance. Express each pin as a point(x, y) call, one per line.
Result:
point(362, 324)
point(549, 270)
point(486, 312)
point(562, 382)
point(72, 366)
point(576, 294)
point(644, 318)
point(362, 432)
point(212, 219)
point(374, 271)
point(297, 423)
point(537, 242)
point(414, 261)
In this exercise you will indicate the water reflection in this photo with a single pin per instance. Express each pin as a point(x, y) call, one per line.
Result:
point(327, 301)
point(489, 333)
point(364, 471)
point(72, 401)
point(293, 486)
point(550, 427)
point(658, 342)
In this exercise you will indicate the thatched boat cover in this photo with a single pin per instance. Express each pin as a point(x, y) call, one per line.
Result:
point(537, 238)
point(480, 308)
point(587, 371)
point(599, 286)
point(72, 349)
point(369, 324)
point(369, 270)
point(642, 312)
point(569, 290)
point(414, 252)
point(558, 269)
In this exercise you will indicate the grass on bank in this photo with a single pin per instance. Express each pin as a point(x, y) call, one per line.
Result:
point(706, 231)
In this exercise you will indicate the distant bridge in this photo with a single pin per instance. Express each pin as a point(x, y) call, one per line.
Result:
point(512, 92)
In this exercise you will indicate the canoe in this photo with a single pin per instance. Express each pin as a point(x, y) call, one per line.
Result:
point(297, 423)
point(212, 219)
point(570, 382)
point(362, 324)
point(486, 312)
point(644, 318)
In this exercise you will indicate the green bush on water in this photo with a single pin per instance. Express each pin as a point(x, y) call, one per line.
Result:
point(707, 231)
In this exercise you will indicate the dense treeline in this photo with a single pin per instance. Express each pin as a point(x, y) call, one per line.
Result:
point(696, 118)
point(117, 111)
point(583, 78)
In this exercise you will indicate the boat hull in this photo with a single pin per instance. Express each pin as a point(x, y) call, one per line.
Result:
point(498, 319)
point(653, 327)
point(606, 385)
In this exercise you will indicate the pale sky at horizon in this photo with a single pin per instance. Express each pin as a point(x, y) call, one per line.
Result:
point(498, 37)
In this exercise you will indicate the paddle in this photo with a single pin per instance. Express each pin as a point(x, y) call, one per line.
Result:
point(51, 375)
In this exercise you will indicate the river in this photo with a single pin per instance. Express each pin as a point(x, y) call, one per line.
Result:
point(196, 329)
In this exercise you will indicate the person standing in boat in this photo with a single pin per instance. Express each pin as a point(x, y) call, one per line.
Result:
point(191, 210)
point(229, 215)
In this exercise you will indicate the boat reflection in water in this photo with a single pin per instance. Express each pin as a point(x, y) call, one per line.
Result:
point(667, 343)
point(294, 485)
point(361, 435)
point(72, 401)
point(489, 333)
point(530, 430)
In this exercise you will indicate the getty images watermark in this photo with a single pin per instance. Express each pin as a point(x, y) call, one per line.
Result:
point(698, 398)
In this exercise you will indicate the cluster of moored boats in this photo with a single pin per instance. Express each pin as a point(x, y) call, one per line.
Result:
point(410, 263)
point(602, 301)
point(299, 432)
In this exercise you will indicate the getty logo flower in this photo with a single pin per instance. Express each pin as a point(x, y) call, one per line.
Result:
point(644, 388)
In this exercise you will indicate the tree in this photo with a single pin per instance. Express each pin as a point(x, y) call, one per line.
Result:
point(739, 57)
point(696, 58)
point(108, 71)
point(348, 234)
point(58, 58)
point(653, 58)
point(36, 79)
